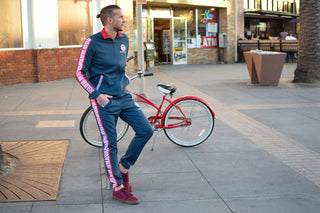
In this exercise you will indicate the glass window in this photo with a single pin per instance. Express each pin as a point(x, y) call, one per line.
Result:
point(290, 7)
point(264, 5)
point(75, 21)
point(245, 4)
point(11, 27)
point(191, 25)
point(208, 19)
point(275, 5)
point(251, 4)
point(270, 3)
point(285, 6)
point(280, 6)
point(257, 4)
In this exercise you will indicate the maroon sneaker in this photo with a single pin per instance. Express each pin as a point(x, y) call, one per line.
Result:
point(125, 178)
point(124, 196)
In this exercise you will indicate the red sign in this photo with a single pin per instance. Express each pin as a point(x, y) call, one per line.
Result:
point(142, 1)
point(209, 41)
point(159, 28)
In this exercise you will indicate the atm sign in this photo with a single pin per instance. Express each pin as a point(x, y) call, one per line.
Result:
point(209, 41)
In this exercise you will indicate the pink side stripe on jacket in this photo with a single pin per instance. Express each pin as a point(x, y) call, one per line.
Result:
point(79, 74)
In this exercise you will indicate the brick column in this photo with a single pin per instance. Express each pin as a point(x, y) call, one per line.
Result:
point(228, 26)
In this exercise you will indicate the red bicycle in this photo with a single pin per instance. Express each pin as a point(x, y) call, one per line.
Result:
point(187, 121)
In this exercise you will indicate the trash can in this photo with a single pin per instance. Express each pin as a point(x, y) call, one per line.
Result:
point(265, 67)
point(248, 57)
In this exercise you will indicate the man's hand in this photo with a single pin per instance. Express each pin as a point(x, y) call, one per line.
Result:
point(102, 99)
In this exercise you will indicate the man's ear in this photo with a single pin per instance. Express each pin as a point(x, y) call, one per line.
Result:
point(109, 20)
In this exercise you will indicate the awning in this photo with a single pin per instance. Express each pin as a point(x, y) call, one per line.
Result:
point(269, 14)
point(294, 21)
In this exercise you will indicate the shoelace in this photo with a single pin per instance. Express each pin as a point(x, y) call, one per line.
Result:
point(128, 194)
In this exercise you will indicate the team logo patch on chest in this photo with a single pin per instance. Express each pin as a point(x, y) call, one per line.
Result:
point(122, 48)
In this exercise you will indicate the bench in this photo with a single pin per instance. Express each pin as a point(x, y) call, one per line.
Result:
point(289, 47)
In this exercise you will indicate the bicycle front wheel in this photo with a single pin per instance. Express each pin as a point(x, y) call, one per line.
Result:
point(201, 122)
point(90, 132)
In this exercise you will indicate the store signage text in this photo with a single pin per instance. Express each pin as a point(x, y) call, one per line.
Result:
point(142, 1)
point(209, 41)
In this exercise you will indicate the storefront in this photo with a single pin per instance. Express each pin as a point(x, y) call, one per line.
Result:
point(183, 33)
point(266, 19)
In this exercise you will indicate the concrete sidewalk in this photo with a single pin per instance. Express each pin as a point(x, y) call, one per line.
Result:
point(263, 156)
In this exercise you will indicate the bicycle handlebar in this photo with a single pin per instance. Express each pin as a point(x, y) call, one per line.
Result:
point(148, 74)
point(131, 57)
point(140, 75)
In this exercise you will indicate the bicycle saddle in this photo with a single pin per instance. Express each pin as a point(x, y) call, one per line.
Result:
point(167, 88)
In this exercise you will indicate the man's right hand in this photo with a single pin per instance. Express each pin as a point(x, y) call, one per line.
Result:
point(102, 99)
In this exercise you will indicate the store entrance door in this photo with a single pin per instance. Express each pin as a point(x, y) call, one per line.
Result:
point(162, 40)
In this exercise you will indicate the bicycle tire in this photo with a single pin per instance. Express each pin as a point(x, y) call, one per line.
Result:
point(90, 132)
point(202, 122)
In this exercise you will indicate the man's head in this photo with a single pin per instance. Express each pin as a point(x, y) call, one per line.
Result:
point(112, 15)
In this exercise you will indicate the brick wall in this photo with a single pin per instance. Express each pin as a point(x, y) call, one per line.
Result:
point(224, 29)
point(37, 65)
point(202, 56)
point(231, 28)
point(240, 19)
point(228, 26)
point(17, 67)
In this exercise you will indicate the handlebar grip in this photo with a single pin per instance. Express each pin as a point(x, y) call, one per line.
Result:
point(131, 57)
point(148, 74)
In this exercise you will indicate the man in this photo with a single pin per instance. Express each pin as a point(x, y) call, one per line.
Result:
point(103, 57)
point(290, 37)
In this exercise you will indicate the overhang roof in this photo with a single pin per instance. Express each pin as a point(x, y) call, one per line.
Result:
point(268, 14)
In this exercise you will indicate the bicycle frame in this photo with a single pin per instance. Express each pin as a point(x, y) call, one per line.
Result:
point(153, 119)
point(184, 121)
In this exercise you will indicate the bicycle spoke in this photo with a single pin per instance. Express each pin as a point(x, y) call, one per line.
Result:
point(90, 131)
point(192, 129)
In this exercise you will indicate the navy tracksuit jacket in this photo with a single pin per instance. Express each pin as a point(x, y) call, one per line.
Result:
point(101, 70)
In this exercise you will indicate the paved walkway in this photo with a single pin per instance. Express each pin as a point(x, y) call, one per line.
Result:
point(263, 156)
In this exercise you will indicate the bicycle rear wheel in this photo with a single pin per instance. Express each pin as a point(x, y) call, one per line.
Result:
point(200, 116)
point(90, 132)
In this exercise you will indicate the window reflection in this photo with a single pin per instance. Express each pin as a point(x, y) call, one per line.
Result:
point(189, 14)
point(75, 21)
point(11, 27)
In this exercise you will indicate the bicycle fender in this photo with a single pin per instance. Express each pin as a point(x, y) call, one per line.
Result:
point(184, 98)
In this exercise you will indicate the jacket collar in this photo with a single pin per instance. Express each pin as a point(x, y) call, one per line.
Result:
point(105, 34)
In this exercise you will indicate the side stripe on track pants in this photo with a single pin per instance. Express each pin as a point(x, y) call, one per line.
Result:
point(105, 141)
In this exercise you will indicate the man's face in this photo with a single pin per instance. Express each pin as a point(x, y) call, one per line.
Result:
point(118, 20)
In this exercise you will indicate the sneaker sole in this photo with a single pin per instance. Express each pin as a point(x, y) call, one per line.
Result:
point(126, 201)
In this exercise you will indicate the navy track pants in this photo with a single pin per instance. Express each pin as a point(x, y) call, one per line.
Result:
point(107, 118)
